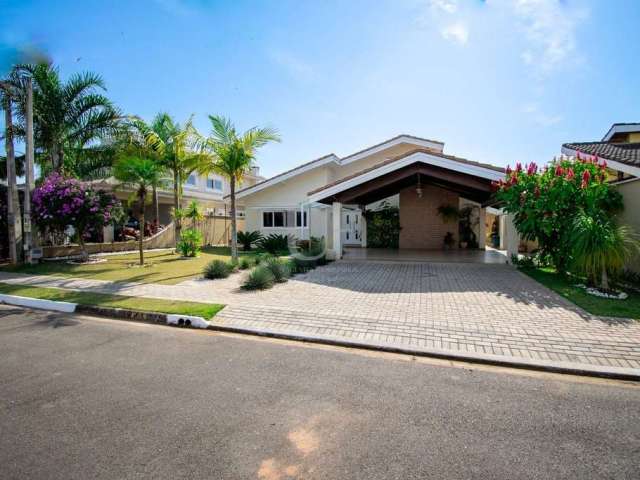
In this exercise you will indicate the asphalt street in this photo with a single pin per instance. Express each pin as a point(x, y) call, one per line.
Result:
point(86, 398)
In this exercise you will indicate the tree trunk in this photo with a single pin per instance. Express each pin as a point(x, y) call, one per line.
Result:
point(13, 202)
point(29, 173)
point(234, 232)
point(156, 208)
point(176, 205)
point(605, 280)
point(143, 198)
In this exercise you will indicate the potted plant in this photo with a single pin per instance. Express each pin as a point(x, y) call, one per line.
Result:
point(449, 241)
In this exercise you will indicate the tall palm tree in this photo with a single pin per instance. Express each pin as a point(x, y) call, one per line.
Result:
point(174, 143)
point(601, 248)
point(70, 119)
point(140, 174)
point(232, 155)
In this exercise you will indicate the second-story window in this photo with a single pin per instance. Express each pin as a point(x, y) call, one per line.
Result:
point(191, 180)
point(214, 184)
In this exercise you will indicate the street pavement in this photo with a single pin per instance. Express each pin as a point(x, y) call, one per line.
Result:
point(86, 398)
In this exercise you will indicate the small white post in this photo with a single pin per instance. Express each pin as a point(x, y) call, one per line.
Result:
point(337, 230)
point(482, 228)
point(513, 238)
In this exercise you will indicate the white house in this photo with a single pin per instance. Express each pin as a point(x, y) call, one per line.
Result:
point(327, 196)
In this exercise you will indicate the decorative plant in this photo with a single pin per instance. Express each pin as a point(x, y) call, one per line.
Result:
point(449, 213)
point(248, 238)
point(278, 268)
point(601, 248)
point(190, 243)
point(383, 227)
point(449, 241)
point(140, 174)
point(245, 263)
point(545, 203)
point(232, 154)
point(274, 243)
point(193, 212)
point(217, 269)
point(260, 278)
point(469, 219)
point(59, 202)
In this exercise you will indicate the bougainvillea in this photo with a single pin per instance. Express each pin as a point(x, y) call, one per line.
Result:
point(546, 202)
point(61, 202)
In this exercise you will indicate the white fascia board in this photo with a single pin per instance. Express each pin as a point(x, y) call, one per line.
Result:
point(612, 164)
point(392, 143)
point(293, 173)
point(634, 127)
point(474, 170)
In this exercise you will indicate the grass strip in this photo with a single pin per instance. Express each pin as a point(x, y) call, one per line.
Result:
point(607, 307)
point(204, 310)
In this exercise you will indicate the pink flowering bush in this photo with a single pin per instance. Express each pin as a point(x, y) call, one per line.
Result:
point(60, 202)
point(546, 202)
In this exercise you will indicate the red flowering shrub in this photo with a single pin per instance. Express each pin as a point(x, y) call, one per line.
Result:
point(545, 203)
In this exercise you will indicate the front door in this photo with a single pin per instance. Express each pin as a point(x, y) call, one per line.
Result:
point(351, 227)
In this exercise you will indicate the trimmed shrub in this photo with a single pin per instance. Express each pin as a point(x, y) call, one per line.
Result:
point(260, 278)
point(217, 269)
point(190, 243)
point(278, 268)
point(274, 243)
point(246, 262)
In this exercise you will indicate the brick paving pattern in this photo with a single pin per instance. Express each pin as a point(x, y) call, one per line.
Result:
point(462, 307)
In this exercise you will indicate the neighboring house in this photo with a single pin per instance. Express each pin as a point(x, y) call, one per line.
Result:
point(208, 192)
point(327, 196)
point(620, 147)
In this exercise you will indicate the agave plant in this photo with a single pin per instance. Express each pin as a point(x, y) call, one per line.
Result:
point(600, 248)
point(274, 243)
point(247, 239)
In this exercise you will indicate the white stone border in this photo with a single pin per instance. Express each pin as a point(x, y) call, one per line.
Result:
point(40, 303)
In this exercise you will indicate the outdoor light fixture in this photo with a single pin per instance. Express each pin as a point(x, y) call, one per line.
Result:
point(419, 188)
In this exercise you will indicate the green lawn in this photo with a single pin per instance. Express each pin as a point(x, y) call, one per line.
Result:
point(629, 308)
point(205, 310)
point(163, 267)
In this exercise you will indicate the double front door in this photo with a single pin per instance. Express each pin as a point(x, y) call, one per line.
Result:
point(351, 227)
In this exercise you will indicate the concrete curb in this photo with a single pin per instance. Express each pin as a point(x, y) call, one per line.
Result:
point(618, 373)
point(569, 368)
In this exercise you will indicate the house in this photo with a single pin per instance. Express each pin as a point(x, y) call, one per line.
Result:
point(208, 191)
point(620, 147)
point(327, 197)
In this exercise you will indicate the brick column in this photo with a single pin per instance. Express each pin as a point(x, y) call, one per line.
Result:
point(482, 228)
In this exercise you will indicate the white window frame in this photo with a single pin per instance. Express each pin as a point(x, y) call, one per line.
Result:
point(284, 212)
point(215, 179)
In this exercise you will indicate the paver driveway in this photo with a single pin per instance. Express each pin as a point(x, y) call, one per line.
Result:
point(463, 307)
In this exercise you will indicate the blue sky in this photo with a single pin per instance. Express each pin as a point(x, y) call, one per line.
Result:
point(498, 81)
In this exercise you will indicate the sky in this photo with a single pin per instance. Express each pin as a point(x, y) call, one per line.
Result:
point(499, 81)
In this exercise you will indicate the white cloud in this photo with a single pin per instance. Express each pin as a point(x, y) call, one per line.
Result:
point(549, 28)
point(448, 6)
point(540, 117)
point(456, 33)
point(296, 67)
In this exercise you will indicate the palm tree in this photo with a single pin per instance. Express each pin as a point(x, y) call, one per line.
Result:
point(173, 143)
point(70, 119)
point(601, 248)
point(232, 155)
point(140, 174)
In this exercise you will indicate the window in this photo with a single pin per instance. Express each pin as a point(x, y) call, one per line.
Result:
point(214, 184)
point(299, 217)
point(191, 180)
point(284, 219)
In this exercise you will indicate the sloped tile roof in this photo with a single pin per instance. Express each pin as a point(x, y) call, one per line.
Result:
point(627, 153)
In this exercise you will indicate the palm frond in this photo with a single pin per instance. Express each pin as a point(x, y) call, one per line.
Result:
point(223, 130)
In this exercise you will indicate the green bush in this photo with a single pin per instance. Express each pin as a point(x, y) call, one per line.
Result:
point(190, 243)
point(278, 268)
point(248, 238)
point(260, 278)
point(274, 243)
point(383, 227)
point(217, 269)
point(246, 263)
